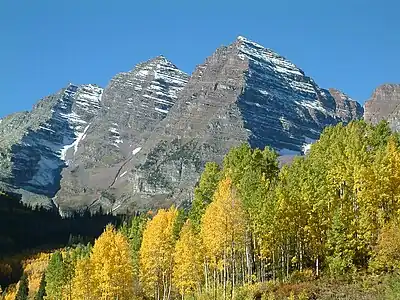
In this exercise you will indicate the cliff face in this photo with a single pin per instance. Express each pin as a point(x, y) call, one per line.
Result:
point(384, 104)
point(132, 105)
point(144, 140)
point(36, 145)
point(347, 109)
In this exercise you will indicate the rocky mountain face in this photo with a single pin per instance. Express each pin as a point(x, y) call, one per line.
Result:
point(146, 141)
point(242, 93)
point(346, 108)
point(35, 146)
point(384, 105)
point(132, 106)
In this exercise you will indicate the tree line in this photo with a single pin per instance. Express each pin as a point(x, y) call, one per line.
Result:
point(332, 212)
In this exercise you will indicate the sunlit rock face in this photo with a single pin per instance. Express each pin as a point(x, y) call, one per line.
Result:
point(384, 104)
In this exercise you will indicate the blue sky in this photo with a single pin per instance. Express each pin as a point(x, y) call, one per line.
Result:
point(352, 45)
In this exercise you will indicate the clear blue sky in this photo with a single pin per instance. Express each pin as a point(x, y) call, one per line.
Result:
point(352, 45)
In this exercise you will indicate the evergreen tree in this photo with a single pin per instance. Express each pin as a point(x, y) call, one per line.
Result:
point(55, 277)
point(179, 222)
point(42, 289)
point(23, 288)
point(69, 270)
point(134, 233)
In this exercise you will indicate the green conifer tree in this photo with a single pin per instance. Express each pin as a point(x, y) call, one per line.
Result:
point(23, 288)
point(55, 277)
point(42, 289)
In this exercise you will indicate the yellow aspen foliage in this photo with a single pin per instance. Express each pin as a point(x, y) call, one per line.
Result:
point(387, 252)
point(223, 224)
point(112, 266)
point(188, 268)
point(11, 293)
point(379, 190)
point(156, 253)
point(82, 283)
point(35, 267)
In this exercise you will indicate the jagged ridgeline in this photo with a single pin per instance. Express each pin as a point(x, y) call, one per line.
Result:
point(143, 141)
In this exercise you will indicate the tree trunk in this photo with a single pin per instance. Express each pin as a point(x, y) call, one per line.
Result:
point(243, 271)
point(225, 274)
point(233, 273)
point(287, 258)
point(215, 284)
point(249, 255)
point(273, 265)
point(282, 263)
point(301, 256)
point(169, 286)
point(206, 274)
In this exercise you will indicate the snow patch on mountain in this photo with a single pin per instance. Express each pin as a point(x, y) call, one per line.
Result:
point(307, 145)
point(135, 151)
point(87, 98)
point(268, 60)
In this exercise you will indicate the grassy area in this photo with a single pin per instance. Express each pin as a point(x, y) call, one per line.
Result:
point(368, 287)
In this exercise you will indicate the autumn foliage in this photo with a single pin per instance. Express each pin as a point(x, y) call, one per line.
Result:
point(332, 212)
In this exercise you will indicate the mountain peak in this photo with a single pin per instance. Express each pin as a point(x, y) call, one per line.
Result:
point(346, 108)
point(339, 92)
point(146, 138)
point(383, 105)
point(388, 87)
point(159, 58)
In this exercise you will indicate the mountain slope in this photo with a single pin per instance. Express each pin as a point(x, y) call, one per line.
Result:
point(133, 104)
point(242, 93)
point(347, 109)
point(144, 140)
point(384, 104)
point(36, 145)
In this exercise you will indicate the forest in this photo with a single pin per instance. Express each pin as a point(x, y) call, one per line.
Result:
point(325, 226)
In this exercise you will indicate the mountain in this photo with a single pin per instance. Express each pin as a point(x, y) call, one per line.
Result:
point(384, 104)
point(132, 105)
point(146, 142)
point(347, 109)
point(242, 93)
point(35, 146)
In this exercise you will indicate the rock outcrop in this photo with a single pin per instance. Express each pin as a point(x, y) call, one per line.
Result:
point(35, 146)
point(384, 104)
point(347, 109)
